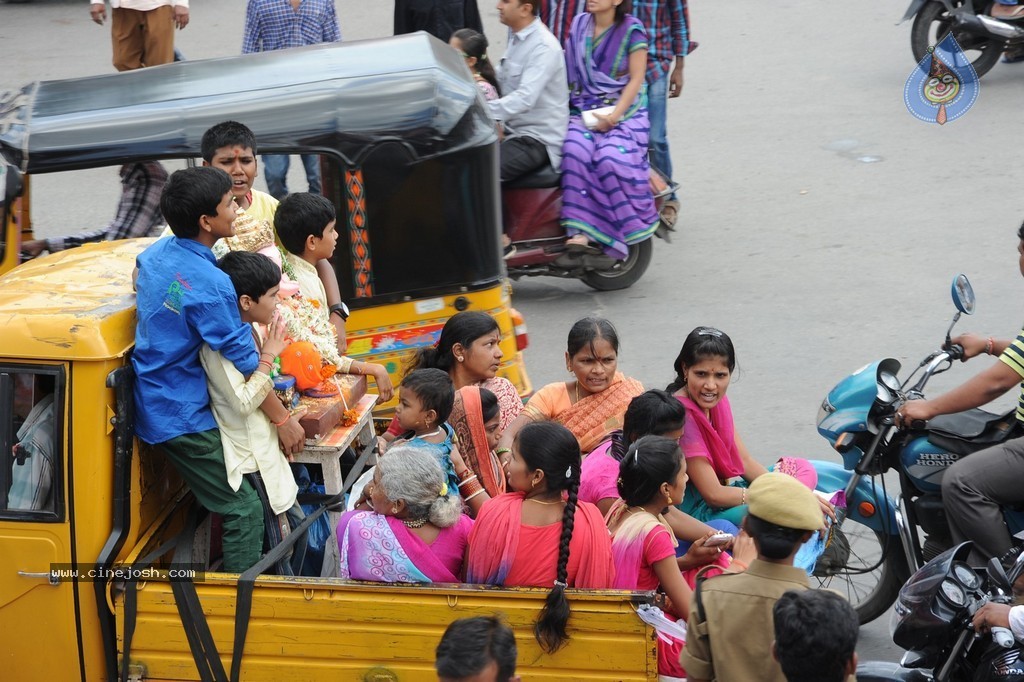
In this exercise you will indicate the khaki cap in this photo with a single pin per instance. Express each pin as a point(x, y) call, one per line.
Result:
point(784, 501)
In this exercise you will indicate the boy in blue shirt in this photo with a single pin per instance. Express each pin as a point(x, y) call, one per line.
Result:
point(184, 301)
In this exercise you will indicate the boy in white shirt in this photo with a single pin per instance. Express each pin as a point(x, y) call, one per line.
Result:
point(306, 224)
point(248, 437)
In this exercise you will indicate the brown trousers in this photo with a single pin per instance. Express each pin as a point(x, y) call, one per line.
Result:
point(142, 38)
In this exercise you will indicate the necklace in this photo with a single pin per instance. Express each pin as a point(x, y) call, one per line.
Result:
point(534, 499)
point(414, 523)
point(435, 432)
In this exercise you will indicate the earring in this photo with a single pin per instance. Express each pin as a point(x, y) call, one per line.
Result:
point(459, 358)
point(668, 499)
point(394, 510)
point(533, 484)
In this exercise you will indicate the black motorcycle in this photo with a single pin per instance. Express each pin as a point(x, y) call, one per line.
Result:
point(982, 38)
point(932, 621)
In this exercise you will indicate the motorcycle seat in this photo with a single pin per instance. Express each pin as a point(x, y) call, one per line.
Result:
point(966, 432)
point(542, 178)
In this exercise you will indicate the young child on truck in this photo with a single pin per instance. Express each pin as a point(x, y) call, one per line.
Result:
point(184, 301)
point(248, 437)
point(305, 224)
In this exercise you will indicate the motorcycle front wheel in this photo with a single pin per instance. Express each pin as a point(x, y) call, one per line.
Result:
point(625, 273)
point(865, 566)
point(933, 23)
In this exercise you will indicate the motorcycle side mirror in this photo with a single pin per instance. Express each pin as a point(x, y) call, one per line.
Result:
point(963, 299)
point(997, 576)
point(963, 294)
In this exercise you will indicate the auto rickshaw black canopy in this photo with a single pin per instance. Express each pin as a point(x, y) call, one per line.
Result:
point(338, 96)
point(408, 147)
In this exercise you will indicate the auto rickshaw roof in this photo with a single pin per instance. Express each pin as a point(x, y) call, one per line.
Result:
point(73, 305)
point(411, 89)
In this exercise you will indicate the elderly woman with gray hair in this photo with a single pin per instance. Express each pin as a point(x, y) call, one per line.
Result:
point(416, 532)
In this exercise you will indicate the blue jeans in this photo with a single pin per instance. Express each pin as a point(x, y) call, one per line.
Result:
point(657, 111)
point(275, 171)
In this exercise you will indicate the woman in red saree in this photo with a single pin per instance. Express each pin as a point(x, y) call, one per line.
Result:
point(539, 535)
point(594, 403)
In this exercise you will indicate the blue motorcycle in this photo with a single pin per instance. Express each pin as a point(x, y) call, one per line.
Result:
point(883, 538)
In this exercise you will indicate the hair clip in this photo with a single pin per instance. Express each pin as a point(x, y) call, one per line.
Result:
point(709, 331)
point(444, 489)
point(568, 471)
point(559, 583)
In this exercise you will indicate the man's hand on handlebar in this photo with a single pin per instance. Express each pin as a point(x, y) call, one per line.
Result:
point(914, 411)
point(991, 615)
point(973, 345)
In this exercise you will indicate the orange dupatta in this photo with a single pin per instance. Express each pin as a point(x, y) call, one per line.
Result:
point(592, 418)
point(467, 420)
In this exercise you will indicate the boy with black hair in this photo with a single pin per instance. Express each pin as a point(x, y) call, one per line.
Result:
point(306, 225)
point(184, 301)
point(730, 628)
point(231, 146)
point(815, 636)
point(482, 649)
point(249, 438)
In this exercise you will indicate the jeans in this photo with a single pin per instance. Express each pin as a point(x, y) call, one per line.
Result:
point(657, 111)
point(275, 171)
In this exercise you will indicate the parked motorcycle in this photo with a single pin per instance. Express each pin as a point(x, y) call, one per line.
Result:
point(532, 208)
point(932, 620)
point(982, 37)
point(888, 538)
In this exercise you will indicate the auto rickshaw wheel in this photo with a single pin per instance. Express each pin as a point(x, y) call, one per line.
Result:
point(625, 273)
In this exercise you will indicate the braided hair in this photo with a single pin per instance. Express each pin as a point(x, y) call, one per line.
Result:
point(702, 343)
point(553, 449)
point(653, 412)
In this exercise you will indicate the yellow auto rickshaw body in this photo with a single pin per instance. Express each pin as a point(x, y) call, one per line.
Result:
point(62, 590)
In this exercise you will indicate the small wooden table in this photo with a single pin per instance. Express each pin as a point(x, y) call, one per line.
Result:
point(327, 452)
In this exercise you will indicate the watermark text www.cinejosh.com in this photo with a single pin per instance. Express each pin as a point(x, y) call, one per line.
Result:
point(69, 572)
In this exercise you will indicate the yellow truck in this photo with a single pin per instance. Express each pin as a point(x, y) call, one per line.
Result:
point(104, 569)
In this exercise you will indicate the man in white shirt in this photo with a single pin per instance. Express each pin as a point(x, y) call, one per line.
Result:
point(534, 109)
point(142, 31)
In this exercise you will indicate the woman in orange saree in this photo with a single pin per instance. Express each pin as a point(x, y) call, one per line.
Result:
point(594, 403)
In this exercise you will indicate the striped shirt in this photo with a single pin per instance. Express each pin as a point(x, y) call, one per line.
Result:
point(1013, 356)
point(275, 25)
point(138, 212)
point(666, 22)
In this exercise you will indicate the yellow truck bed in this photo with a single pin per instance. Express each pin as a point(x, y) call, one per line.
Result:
point(331, 630)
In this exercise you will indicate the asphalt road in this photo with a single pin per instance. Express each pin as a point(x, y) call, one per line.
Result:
point(821, 222)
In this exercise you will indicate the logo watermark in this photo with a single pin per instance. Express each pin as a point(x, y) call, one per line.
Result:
point(943, 86)
point(61, 573)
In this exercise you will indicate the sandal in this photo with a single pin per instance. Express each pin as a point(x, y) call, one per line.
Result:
point(1010, 13)
point(670, 214)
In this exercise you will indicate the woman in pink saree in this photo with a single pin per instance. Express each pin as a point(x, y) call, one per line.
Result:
point(594, 403)
point(416, 532)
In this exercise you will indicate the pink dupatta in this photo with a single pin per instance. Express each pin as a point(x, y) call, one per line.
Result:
point(712, 437)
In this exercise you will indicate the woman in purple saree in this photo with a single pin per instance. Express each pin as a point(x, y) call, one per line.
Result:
point(416, 532)
point(606, 196)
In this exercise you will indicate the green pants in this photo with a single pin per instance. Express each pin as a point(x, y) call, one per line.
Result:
point(199, 459)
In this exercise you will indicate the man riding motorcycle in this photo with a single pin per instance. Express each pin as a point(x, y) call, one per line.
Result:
point(976, 487)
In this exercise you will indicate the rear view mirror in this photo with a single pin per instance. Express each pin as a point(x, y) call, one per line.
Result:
point(963, 294)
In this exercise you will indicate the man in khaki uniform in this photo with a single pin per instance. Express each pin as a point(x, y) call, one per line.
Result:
point(730, 628)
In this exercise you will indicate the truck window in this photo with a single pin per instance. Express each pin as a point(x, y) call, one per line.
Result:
point(30, 443)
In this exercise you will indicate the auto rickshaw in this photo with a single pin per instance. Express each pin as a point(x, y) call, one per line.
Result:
point(407, 149)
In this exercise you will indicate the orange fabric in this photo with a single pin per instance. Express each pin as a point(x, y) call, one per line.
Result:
point(468, 421)
point(592, 418)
